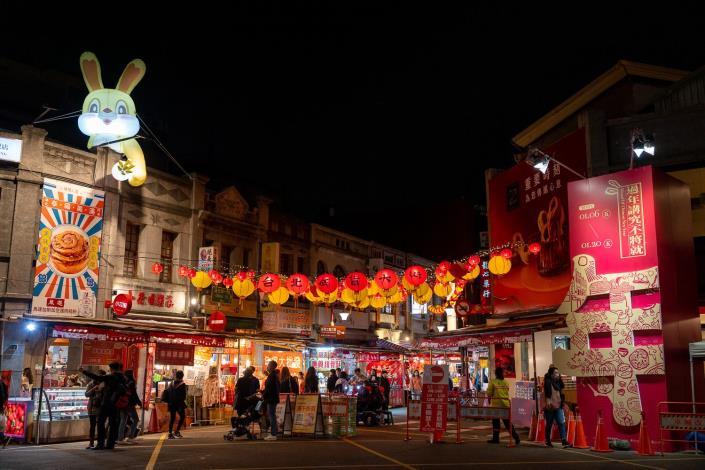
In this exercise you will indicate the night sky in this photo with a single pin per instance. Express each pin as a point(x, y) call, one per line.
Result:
point(385, 113)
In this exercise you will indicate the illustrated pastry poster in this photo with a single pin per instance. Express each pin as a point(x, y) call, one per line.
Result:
point(68, 250)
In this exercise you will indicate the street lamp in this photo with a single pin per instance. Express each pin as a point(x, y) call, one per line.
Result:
point(539, 159)
point(641, 143)
point(440, 328)
point(344, 315)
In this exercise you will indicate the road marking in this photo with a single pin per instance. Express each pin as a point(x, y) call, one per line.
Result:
point(378, 454)
point(627, 462)
point(155, 453)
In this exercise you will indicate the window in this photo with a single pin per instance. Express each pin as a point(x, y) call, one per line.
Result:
point(286, 264)
point(376, 253)
point(320, 268)
point(300, 264)
point(418, 309)
point(132, 239)
point(225, 254)
point(246, 257)
point(167, 255)
point(339, 271)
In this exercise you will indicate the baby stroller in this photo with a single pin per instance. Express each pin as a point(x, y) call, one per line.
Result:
point(241, 423)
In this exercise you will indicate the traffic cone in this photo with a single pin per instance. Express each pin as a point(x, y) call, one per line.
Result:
point(153, 421)
point(571, 428)
point(644, 439)
point(601, 444)
point(540, 429)
point(580, 440)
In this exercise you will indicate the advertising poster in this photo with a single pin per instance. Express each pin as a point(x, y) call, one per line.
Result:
point(504, 358)
point(292, 360)
point(528, 206)
point(68, 250)
point(307, 414)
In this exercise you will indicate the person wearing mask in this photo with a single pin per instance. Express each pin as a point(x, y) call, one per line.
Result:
point(288, 383)
point(94, 393)
point(176, 394)
point(271, 399)
point(386, 387)
point(27, 383)
point(341, 385)
point(332, 379)
point(115, 388)
point(311, 381)
point(302, 382)
point(129, 412)
point(553, 411)
point(416, 386)
point(498, 392)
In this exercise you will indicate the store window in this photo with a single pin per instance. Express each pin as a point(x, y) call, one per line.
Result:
point(167, 255)
point(132, 238)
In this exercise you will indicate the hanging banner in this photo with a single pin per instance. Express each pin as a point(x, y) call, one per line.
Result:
point(174, 354)
point(504, 358)
point(68, 250)
point(455, 342)
point(525, 205)
point(270, 258)
point(101, 353)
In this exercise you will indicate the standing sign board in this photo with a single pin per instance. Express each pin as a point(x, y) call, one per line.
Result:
point(434, 398)
point(284, 418)
point(308, 416)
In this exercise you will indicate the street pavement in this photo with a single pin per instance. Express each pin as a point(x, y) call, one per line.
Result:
point(381, 447)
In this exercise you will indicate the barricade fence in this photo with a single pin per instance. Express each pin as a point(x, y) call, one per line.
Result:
point(679, 419)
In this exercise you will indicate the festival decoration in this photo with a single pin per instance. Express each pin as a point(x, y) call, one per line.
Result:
point(269, 283)
point(535, 248)
point(312, 295)
point(191, 273)
point(474, 260)
point(356, 281)
point(472, 273)
point(415, 276)
point(201, 280)
point(443, 272)
point(215, 276)
point(228, 282)
point(506, 253)
point(157, 268)
point(183, 271)
point(386, 279)
point(243, 288)
point(279, 296)
point(442, 289)
point(423, 296)
point(326, 283)
point(499, 265)
point(109, 116)
point(378, 301)
point(297, 284)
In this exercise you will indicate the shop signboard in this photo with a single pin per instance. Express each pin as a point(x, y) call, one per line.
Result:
point(101, 353)
point(434, 398)
point(221, 295)
point(150, 300)
point(68, 250)
point(504, 358)
point(175, 354)
point(291, 359)
point(10, 150)
point(335, 331)
point(522, 411)
point(283, 412)
point(206, 258)
point(528, 206)
point(270, 257)
point(18, 412)
point(296, 321)
point(453, 343)
point(308, 416)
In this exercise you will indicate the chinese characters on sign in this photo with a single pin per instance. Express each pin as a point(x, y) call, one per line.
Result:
point(631, 222)
point(486, 292)
point(539, 185)
point(434, 399)
point(175, 354)
point(151, 301)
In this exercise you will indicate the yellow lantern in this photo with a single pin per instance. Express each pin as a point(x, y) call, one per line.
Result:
point(349, 296)
point(244, 288)
point(423, 297)
point(442, 290)
point(409, 287)
point(390, 292)
point(330, 298)
point(437, 309)
point(279, 296)
point(201, 280)
point(378, 301)
point(312, 298)
point(499, 265)
point(362, 304)
point(396, 298)
point(423, 289)
point(373, 288)
point(472, 274)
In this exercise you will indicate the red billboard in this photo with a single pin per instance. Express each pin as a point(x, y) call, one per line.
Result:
point(528, 206)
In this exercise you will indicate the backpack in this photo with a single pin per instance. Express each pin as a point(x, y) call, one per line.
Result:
point(166, 395)
point(121, 396)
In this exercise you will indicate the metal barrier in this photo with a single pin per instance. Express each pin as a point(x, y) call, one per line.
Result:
point(675, 416)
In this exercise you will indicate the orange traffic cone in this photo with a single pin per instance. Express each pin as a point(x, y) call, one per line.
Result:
point(571, 428)
point(644, 439)
point(540, 429)
point(601, 444)
point(580, 440)
point(153, 421)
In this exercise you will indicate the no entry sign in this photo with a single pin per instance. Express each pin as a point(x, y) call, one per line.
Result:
point(434, 399)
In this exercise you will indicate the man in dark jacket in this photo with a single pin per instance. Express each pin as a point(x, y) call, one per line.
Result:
point(177, 404)
point(115, 386)
point(271, 398)
point(332, 379)
point(386, 388)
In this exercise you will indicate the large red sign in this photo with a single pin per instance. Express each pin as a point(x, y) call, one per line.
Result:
point(528, 206)
point(174, 354)
point(434, 399)
point(101, 353)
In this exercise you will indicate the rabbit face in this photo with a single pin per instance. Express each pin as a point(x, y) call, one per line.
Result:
point(108, 115)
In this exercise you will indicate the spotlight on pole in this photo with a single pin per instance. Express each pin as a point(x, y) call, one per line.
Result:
point(31, 326)
point(344, 315)
point(538, 159)
point(440, 328)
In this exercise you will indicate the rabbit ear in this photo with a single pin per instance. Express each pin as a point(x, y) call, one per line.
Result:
point(131, 76)
point(90, 67)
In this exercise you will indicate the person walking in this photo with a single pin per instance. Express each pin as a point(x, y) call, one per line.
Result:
point(288, 383)
point(176, 397)
point(129, 412)
point(311, 381)
point(332, 379)
point(271, 399)
point(498, 392)
point(114, 391)
point(555, 400)
point(94, 393)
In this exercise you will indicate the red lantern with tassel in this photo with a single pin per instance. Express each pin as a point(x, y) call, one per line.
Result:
point(183, 271)
point(269, 283)
point(157, 268)
point(215, 276)
point(535, 248)
point(228, 282)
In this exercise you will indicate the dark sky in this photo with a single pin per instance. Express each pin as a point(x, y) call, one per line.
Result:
point(374, 110)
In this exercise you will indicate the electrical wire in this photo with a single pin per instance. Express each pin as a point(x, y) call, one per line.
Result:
point(72, 114)
point(163, 148)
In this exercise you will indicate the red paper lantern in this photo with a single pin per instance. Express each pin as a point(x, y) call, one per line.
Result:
point(386, 279)
point(297, 284)
point(122, 304)
point(442, 269)
point(326, 283)
point(268, 283)
point(191, 273)
point(415, 275)
point(474, 260)
point(458, 270)
point(183, 271)
point(228, 282)
point(242, 276)
point(506, 253)
point(535, 248)
point(217, 321)
point(356, 281)
point(215, 276)
point(157, 268)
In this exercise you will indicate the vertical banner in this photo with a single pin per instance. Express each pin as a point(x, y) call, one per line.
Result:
point(207, 256)
point(68, 250)
point(434, 399)
point(270, 258)
point(504, 358)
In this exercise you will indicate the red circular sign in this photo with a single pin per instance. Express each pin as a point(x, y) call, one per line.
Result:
point(217, 321)
point(122, 304)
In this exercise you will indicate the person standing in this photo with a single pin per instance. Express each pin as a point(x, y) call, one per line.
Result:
point(302, 383)
point(129, 412)
point(27, 383)
point(243, 390)
point(114, 389)
point(177, 404)
point(271, 399)
point(553, 411)
point(288, 383)
point(332, 379)
point(311, 381)
point(386, 389)
point(498, 392)
point(416, 386)
point(94, 393)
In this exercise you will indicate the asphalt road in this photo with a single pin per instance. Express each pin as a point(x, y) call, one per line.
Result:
point(373, 448)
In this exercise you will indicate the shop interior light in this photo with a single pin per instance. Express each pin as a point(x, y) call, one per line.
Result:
point(31, 326)
point(194, 301)
point(406, 338)
point(325, 349)
point(344, 315)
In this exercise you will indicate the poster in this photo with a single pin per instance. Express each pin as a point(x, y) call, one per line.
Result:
point(295, 321)
point(292, 360)
point(504, 358)
point(18, 413)
point(528, 206)
point(68, 250)
point(101, 353)
point(207, 255)
point(307, 414)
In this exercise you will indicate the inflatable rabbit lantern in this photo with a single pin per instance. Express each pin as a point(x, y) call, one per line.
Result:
point(109, 114)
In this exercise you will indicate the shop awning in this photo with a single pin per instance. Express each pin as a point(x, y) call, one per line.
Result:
point(388, 345)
